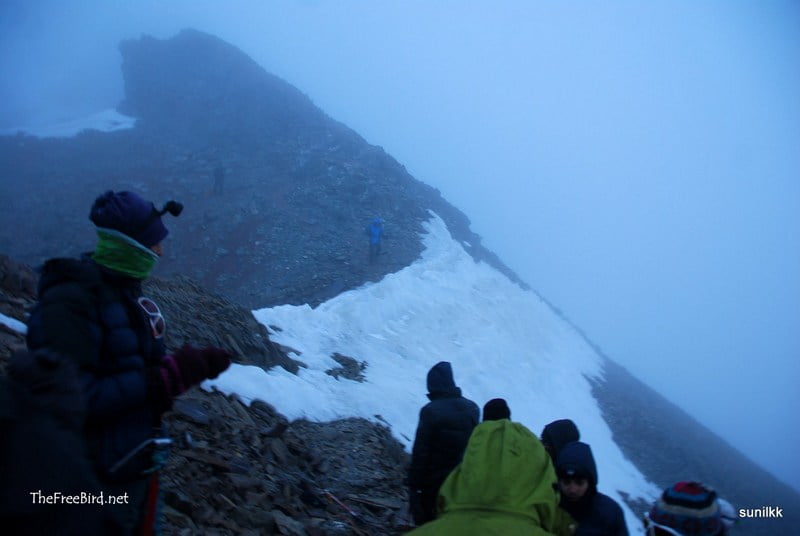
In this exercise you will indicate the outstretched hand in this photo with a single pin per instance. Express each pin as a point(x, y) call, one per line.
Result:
point(218, 360)
point(198, 364)
point(187, 367)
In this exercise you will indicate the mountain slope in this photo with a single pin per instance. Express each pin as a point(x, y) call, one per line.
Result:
point(289, 226)
point(299, 189)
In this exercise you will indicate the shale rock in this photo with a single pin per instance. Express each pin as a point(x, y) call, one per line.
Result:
point(234, 477)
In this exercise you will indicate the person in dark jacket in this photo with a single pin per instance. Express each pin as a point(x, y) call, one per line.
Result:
point(597, 514)
point(557, 434)
point(445, 424)
point(92, 311)
point(42, 451)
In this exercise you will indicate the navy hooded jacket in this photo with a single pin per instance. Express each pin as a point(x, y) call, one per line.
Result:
point(445, 425)
point(597, 514)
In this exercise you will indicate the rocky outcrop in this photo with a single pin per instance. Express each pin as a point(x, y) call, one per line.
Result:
point(17, 295)
point(238, 469)
point(205, 319)
point(199, 89)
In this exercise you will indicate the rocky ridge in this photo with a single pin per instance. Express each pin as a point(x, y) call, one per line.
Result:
point(298, 192)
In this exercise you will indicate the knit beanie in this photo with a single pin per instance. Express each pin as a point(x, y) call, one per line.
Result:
point(129, 214)
point(688, 507)
point(576, 459)
point(496, 409)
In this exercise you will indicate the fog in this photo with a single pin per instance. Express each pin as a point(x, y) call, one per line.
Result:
point(637, 163)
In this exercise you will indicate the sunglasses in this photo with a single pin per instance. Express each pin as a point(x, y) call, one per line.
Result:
point(651, 528)
point(157, 322)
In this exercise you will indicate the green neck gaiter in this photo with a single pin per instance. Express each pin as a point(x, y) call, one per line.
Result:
point(121, 253)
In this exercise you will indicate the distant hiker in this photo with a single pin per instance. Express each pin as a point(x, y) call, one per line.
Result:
point(597, 514)
point(42, 450)
point(557, 434)
point(445, 424)
point(496, 409)
point(92, 312)
point(219, 179)
point(375, 232)
point(504, 486)
point(687, 509)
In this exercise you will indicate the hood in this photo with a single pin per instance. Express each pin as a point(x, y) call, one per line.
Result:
point(440, 380)
point(559, 433)
point(576, 457)
point(83, 271)
point(58, 271)
point(505, 469)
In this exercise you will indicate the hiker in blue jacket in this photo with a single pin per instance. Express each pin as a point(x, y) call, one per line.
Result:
point(375, 232)
point(597, 514)
point(92, 311)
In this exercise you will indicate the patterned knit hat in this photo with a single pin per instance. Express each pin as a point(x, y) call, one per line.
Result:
point(688, 507)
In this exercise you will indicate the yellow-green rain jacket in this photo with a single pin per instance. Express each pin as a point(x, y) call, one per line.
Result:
point(503, 487)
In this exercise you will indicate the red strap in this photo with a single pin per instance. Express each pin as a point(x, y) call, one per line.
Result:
point(151, 505)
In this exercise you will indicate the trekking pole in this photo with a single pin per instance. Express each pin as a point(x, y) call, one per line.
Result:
point(335, 499)
point(353, 516)
point(157, 441)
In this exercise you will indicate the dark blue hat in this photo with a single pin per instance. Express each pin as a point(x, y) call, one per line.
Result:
point(131, 215)
point(576, 459)
point(496, 409)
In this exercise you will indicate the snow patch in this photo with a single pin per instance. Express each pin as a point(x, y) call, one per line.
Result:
point(104, 121)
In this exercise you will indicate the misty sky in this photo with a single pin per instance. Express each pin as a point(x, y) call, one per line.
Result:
point(638, 163)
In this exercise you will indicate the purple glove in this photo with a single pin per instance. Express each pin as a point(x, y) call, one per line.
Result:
point(185, 368)
point(217, 360)
point(198, 364)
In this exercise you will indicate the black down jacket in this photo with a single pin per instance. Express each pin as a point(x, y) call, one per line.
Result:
point(90, 315)
point(445, 425)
